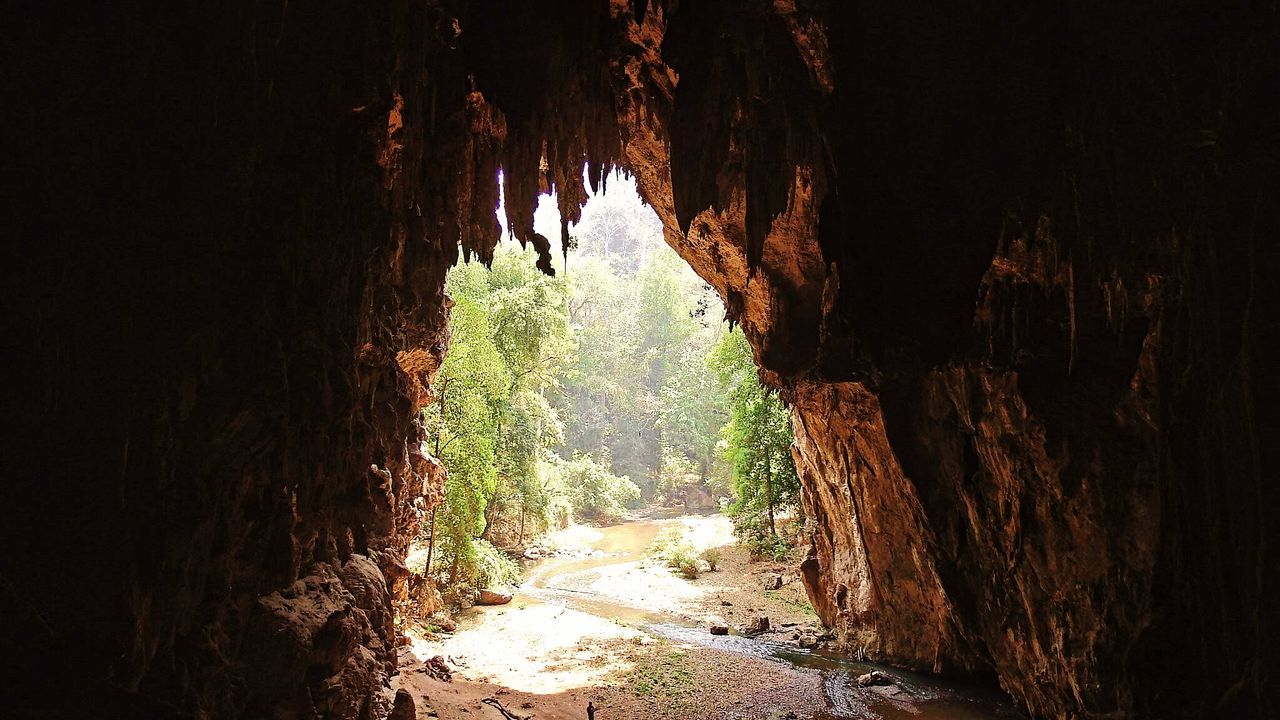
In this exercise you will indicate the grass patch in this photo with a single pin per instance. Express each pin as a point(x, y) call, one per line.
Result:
point(666, 676)
point(800, 606)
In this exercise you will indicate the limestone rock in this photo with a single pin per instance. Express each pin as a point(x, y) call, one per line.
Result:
point(493, 597)
point(875, 677)
point(1015, 298)
point(405, 708)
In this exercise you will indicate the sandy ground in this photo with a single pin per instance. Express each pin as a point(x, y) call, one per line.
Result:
point(582, 629)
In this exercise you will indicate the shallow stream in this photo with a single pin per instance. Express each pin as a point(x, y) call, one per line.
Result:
point(910, 695)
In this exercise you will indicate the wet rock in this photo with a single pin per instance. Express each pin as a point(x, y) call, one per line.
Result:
point(808, 642)
point(493, 597)
point(757, 626)
point(719, 630)
point(874, 678)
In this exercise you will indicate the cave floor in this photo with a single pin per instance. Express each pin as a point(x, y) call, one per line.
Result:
point(600, 622)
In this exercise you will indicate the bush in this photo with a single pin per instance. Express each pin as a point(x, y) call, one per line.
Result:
point(676, 553)
point(752, 530)
point(689, 567)
point(712, 557)
point(559, 512)
point(668, 540)
point(493, 567)
point(594, 492)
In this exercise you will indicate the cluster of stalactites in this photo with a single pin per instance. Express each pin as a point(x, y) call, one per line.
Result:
point(543, 110)
point(739, 124)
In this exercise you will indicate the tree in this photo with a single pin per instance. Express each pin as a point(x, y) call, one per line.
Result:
point(471, 388)
point(491, 419)
point(757, 444)
point(693, 410)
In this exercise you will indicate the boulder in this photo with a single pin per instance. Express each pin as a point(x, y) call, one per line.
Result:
point(875, 677)
point(757, 626)
point(719, 630)
point(404, 708)
point(772, 581)
point(493, 597)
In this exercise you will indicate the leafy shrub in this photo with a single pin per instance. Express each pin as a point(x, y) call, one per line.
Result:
point(668, 540)
point(752, 530)
point(688, 566)
point(594, 492)
point(559, 512)
point(492, 566)
point(675, 552)
point(712, 558)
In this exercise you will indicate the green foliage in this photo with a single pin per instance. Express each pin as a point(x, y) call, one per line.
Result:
point(674, 551)
point(675, 473)
point(754, 533)
point(642, 324)
point(712, 557)
point(594, 493)
point(491, 418)
point(688, 566)
point(493, 567)
point(668, 540)
point(757, 443)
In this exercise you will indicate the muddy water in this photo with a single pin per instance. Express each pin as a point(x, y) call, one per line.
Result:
point(547, 581)
point(911, 696)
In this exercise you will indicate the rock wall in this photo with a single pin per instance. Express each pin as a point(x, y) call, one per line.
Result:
point(1007, 264)
point(1005, 267)
point(225, 309)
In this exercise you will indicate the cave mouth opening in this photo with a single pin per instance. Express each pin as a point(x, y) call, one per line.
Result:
point(585, 418)
point(621, 523)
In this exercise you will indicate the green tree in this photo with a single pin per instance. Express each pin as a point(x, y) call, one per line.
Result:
point(491, 418)
point(757, 443)
point(471, 389)
point(693, 410)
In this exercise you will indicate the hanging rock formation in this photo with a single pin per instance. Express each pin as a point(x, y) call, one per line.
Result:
point(1007, 264)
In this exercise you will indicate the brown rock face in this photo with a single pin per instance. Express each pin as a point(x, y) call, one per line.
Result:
point(1009, 266)
point(871, 574)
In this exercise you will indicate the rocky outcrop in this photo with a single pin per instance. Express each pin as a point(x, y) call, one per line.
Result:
point(871, 574)
point(227, 310)
point(1007, 266)
point(323, 637)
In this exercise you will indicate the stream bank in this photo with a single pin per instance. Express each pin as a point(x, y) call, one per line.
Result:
point(600, 622)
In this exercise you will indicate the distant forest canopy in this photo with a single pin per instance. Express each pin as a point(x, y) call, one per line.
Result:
point(585, 395)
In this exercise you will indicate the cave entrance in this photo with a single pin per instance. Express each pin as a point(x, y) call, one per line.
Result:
point(605, 434)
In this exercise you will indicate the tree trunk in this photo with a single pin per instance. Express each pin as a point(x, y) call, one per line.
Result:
point(431, 536)
point(768, 490)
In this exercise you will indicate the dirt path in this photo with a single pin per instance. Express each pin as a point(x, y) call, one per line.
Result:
point(600, 622)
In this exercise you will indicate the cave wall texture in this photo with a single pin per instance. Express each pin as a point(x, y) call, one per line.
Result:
point(1009, 264)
